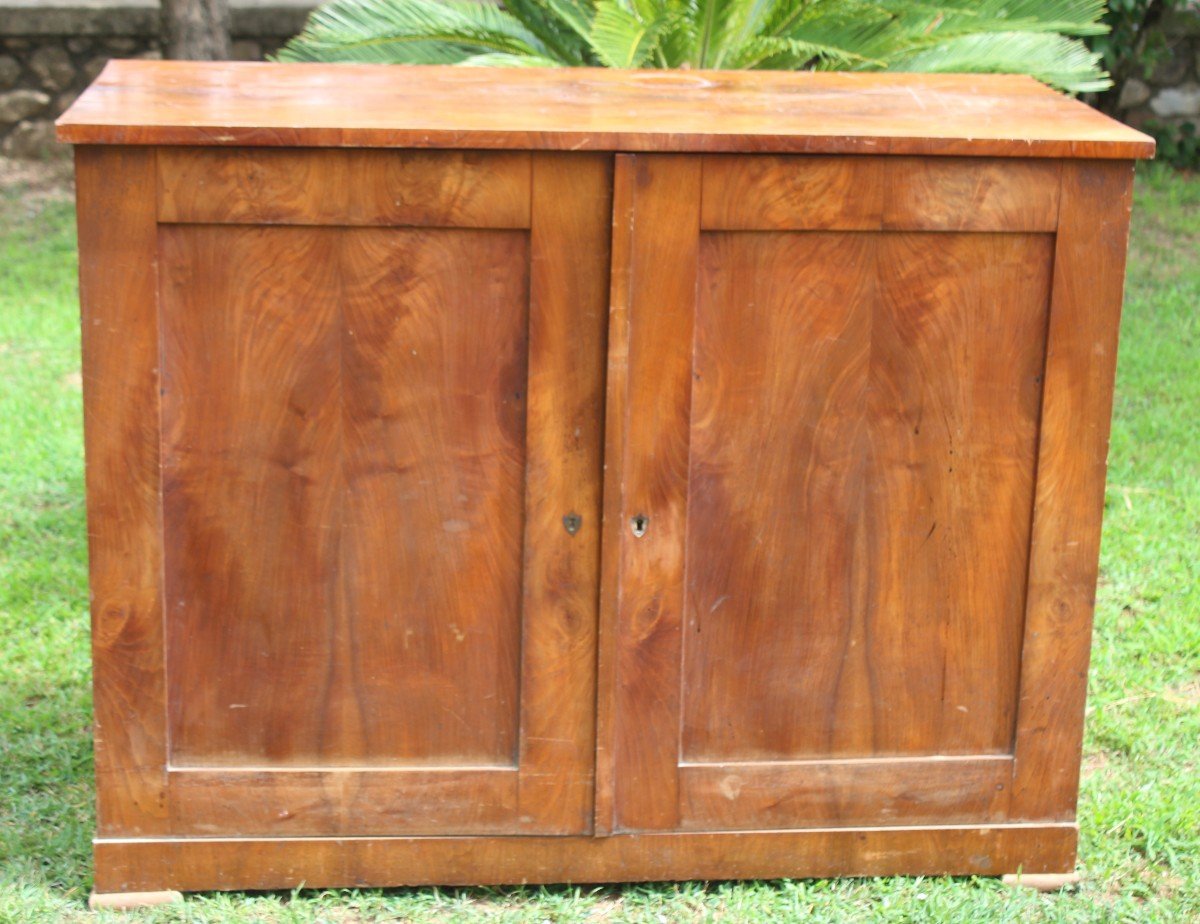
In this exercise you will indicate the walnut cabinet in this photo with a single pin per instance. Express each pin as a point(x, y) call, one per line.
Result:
point(577, 476)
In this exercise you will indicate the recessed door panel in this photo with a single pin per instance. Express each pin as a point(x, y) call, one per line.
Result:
point(344, 456)
point(863, 433)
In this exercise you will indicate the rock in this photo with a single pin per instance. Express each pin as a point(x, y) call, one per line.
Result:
point(245, 50)
point(63, 101)
point(263, 18)
point(152, 55)
point(10, 71)
point(52, 66)
point(54, 20)
point(78, 44)
point(93, 67)
point(1133, 94)
point(18, 104)
point(1182, 101)
point(31, 140)
point(120, 46)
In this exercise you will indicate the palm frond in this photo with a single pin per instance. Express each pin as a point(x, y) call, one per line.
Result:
point(1067, 17)
point(843, 33)
point(744, 22)
point(1019, 36)
point(577, 15)
point(1062, 62)
point(561, 39)
point(775, 53)
point(621, 38)
point(409, 31)
point(500, 59)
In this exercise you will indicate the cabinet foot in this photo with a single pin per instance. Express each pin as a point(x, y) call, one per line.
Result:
point(120, 901)
point(1042, 882)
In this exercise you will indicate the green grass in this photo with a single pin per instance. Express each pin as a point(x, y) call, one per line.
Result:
point(1140, 807)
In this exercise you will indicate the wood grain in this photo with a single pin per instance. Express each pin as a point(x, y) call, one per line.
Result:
point(461, 189)
point(343, 494)
point(1089, 272)
point(572, 206)
point(773, 644)
point(614, 525)
point(661, 288)
point(340, 105)
point(878, 193)
point(269, 802)
point(829, 793)
point(342, 406)
point(880, 391)
point(280, 863)
point(117, 293)
point(895, 379)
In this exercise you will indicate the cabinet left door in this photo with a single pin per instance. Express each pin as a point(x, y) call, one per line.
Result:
point(343, 420)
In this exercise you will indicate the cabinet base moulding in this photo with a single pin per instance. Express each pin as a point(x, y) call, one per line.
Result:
point(198, 864)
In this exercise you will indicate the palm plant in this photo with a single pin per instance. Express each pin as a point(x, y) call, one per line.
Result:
point(1036, 37)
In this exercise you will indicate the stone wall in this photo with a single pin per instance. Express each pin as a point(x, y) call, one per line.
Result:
point(1171, 93)
point(50, 50)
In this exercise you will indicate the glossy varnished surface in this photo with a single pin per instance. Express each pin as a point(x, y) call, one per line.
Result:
point(118, 300)
point(896, 378)
point(339, 405)
point(282, 863)
point(343, 493)
point(158, 102)
point(830, 417)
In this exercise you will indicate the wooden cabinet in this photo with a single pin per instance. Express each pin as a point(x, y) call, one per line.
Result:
point(581, 475)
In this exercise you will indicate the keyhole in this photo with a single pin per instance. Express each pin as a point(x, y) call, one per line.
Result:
point(639, 524)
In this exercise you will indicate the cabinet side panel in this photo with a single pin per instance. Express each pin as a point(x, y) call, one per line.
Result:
point(117, 282)
point(1081, 353)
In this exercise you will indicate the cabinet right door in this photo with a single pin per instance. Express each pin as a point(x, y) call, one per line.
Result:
point(826, 404)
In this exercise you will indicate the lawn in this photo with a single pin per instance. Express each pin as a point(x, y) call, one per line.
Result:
point(1140, 806)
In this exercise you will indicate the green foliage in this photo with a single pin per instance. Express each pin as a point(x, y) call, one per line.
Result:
point(1139, 811)
point(1131, 46)
point(1037, 37)
point(1178, 145)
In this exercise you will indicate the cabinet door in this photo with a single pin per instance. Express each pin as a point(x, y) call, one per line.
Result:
point(344, 423)
point(826, 382)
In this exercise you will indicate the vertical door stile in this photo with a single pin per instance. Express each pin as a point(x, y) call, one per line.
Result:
point(569, 255)
point(655, 270)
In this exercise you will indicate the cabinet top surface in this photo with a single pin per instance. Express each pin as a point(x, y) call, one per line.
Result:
point(340, 105)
